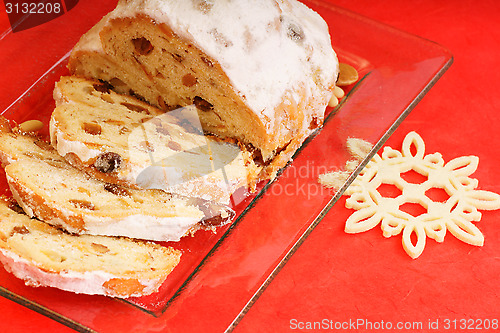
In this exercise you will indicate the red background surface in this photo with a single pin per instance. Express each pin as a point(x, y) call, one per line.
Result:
point(328, 277)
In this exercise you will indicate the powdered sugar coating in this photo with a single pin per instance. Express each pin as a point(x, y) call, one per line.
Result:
point(85, 283)
point(88, 282)
point(266, 48)
point(135, 226)
point(141, 226)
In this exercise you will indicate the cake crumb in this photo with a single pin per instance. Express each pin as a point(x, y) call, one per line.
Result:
point(351, 165)
point(358, 148)
point(334, 179)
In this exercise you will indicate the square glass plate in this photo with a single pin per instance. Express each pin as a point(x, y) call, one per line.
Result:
point(222, 274)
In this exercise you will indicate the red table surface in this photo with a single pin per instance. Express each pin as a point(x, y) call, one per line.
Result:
point(328, 279)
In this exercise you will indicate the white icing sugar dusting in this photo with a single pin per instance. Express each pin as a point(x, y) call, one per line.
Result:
point(203, 168)
point(144, 227)
point(266, 48)
point(88, 282)
point(141, 226)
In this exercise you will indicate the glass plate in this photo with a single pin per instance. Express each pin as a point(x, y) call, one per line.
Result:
point(222, 274)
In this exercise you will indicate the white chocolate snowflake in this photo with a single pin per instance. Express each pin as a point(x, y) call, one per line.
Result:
point(455, 212)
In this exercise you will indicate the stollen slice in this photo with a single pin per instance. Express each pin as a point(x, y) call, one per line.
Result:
point(48, 188)
point(122, 140)
point(43, 255)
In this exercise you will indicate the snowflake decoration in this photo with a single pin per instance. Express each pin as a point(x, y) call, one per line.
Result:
point(454, 213)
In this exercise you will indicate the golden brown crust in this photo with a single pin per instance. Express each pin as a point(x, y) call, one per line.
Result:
point(43, 211)
point(4, 125)
point(123, 287)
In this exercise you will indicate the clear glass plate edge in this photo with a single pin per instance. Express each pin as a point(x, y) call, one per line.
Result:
point(82, 328)
point(38, 308)
point(336, 197)
point(446, 65)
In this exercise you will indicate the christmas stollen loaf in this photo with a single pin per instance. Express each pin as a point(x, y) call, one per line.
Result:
point(122, 140)
point(47, 187)
point(43, 255)
point(261, 72)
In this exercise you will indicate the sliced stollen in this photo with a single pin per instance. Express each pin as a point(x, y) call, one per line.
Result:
point(43, 255)
point(47, 187)
point(261, 72)
point(122, 140)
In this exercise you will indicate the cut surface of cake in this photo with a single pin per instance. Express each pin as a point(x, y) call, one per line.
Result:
point(261, 72)
point(47, 187)
point(151, 148)
point(43, 255)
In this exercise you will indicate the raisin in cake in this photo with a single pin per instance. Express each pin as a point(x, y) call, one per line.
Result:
point(47, 187)
point(121, 140)
point(43, 255)
point(261, 72)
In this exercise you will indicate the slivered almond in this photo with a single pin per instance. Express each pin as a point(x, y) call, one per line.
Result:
point(347, 75)
point(31, 126)
point(99, 248)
